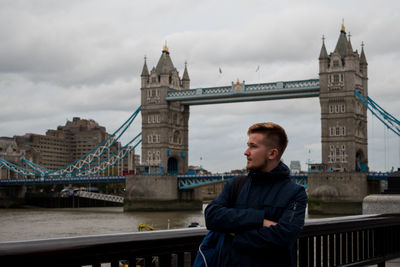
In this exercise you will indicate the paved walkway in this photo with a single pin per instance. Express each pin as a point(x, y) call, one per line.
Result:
point(392, 263)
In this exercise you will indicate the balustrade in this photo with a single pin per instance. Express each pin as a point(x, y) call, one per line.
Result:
point(342, 241)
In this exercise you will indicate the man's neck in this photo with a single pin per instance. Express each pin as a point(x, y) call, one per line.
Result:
point(271, 165)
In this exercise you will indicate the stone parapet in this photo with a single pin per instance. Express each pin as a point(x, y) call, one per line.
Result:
point(157, 193)
point(337, 186)
point(377, 204)
point(154, 187)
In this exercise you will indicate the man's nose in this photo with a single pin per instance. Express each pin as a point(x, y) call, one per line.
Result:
point(246, 152)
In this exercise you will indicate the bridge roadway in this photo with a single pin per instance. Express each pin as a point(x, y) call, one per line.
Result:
point(184, 181)
point(240, 92)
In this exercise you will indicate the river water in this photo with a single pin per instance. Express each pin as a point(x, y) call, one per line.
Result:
point(29, 224)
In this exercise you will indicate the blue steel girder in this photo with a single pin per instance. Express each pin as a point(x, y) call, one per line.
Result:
point(377, 175)
point(193, 181)
point(243, 92)
point(63, 180)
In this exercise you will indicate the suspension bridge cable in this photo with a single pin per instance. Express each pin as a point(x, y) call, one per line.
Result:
point(17, 169)
point(387, 119)
point(85, 161)
point(97, 152)
point(35, 167)
point(110, 161)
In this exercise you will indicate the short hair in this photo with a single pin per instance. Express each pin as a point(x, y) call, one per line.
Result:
point(274, 134)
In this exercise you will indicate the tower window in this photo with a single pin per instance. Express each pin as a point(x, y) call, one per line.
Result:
point(336, 78)
point(336, 63)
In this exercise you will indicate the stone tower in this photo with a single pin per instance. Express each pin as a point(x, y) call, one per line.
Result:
point(164, 124)
point(343, 116)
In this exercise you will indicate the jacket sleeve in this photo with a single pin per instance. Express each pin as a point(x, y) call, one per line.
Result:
point(220, 217)
point(284, 234)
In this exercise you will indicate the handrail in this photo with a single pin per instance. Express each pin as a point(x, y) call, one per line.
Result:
point(342, 241)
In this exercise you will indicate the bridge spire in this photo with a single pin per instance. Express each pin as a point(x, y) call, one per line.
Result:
point(165, 48)
point(185, 78)
point(363, 59)
point(343, 29)
point(145, 71)
point(342, 45)
point(323, 54)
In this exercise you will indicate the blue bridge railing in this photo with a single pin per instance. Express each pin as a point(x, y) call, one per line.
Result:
point(241, 92)
point(192, 181)
point(184, 181)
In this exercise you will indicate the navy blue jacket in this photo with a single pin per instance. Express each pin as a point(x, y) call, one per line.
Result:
point(272, 196)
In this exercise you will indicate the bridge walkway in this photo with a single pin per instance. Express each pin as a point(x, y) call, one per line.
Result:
point(99, 196)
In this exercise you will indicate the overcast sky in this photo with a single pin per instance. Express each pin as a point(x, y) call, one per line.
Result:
point(65, 59)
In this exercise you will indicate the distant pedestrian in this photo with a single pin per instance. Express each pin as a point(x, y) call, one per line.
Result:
point(261, 214)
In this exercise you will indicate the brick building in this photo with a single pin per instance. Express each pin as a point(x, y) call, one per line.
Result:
point(58, 148)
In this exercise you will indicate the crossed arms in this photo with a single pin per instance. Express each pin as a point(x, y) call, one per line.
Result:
point(251, 230)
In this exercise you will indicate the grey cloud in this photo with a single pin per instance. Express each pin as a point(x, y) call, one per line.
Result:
point(84, 59)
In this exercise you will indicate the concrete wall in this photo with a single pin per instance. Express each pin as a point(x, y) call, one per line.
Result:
point(155, 187)
point(378, 204)
point(337, 186)
point(12, 196)
point(157, 193)
point(208, 192)
point(339, 193)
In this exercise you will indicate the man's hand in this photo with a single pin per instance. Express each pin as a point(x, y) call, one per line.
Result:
point(268, 223)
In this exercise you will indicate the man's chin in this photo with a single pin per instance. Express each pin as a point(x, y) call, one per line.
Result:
point(250, 168)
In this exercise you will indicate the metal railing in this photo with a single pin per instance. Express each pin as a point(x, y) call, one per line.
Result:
point(343, 241)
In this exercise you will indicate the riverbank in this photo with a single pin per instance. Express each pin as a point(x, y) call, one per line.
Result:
point(45, 200)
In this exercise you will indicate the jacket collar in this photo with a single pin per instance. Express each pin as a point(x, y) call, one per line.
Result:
point(280, 172)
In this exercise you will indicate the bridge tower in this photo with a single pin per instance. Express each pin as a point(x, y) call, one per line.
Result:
point(164, 124)
point(343, 117)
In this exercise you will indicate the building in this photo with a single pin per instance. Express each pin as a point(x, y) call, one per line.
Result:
point(10, 152)
point(58, 148)
point(343, 116)
point(164, 124)
point(295, 166)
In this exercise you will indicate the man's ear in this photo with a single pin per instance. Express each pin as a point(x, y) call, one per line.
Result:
point(273, 154)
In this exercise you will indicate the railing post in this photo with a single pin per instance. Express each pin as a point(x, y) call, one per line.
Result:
point(318, 251)
point(310, 251)
point(331, 249)
point(303, 253)
point(325, 250)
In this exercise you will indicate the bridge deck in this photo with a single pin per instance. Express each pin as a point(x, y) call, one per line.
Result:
point(241, 92)
point(184, 181)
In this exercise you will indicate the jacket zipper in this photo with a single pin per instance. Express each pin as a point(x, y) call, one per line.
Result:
point(294, 209)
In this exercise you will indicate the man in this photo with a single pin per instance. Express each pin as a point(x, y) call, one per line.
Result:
point(261, 217)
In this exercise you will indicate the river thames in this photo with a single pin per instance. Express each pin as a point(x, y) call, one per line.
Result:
point(44, 223)
point(29, 224)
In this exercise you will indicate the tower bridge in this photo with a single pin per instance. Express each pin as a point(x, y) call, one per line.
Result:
point(166, 99)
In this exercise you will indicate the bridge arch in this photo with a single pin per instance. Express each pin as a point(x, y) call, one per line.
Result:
point(172, 165)
point(361, 162)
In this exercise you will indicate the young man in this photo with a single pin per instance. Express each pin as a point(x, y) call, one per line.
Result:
point(261, 217)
